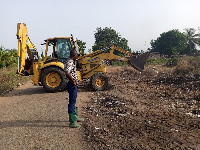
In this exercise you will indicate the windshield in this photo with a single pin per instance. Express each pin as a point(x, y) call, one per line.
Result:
point(63, 49)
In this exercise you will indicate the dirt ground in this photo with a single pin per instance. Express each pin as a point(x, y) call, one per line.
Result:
point(149, 110)
point(32, 119)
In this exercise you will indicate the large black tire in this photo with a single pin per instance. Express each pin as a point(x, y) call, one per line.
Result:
point(99, 81)
point(53, 79)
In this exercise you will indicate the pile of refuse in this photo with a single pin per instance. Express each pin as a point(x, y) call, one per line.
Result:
point(148, 110)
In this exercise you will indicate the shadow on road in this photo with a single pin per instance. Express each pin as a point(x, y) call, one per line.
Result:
point(83, 87)
point(33, 123)
point(27, 91)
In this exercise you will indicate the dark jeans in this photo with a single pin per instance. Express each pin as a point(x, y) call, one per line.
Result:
point(72, 90)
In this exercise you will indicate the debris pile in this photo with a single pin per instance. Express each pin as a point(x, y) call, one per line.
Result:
point(149, 110)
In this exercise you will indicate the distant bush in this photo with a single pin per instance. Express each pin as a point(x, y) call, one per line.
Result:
point(157, 61)
point(195, 62)
point(13, 65)
point(172, 61)
point(2, 64)
point(119, 63)
point(7, 57)
point(183, 67)
point(188, 65)
point(9, 79)
point(163, 61)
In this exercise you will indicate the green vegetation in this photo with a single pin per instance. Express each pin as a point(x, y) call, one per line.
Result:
point(163, 61)
point(9, 79)
point(169, 43)
point(119, 63)
point(82, 46)
point(42, 56)
point(174, 42)
point(8, 70)
point(158, 61)
point(107, 36)
point(7, 57)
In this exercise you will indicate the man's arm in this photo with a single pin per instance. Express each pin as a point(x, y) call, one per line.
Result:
point(69, 76)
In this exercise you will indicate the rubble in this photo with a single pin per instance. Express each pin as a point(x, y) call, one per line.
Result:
point(148, 110)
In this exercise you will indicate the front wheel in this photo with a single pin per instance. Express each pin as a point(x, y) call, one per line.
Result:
point(53, 79)
point(99, 81)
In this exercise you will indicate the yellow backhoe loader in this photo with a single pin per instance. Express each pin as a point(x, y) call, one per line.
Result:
point(50, 72)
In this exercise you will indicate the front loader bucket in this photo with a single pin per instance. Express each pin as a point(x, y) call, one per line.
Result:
point(139, 62)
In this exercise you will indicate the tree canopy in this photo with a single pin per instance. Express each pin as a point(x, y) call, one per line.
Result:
point(169, 43)
point(104, 37)
point(82, 46)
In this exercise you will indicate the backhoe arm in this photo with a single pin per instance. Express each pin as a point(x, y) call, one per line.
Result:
point(105, 55)
point(24, 46)
point(136, 62)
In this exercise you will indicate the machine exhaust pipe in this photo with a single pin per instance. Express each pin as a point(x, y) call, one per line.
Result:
point(139, 61)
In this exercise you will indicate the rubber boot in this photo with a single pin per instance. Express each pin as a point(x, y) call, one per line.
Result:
point(72, 121)
point(78, 119)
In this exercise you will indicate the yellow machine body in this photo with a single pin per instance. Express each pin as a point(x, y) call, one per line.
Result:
point(50, 72)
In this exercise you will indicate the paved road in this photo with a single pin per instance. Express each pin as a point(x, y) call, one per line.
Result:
point(33, 119)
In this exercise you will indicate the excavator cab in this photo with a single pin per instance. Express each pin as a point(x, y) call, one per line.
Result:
point(52, 75)
point(61, 49)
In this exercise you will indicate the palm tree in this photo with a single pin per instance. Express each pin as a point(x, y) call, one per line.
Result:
point(193, 39)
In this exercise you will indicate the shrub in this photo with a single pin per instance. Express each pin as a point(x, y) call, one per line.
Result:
point(9, 79)
point(157, 61)
point(7, 57)
point(13, 65)
point(172, 62)
point(195, 62)
point(119, 63)
point(2, 64)
point(183, 67)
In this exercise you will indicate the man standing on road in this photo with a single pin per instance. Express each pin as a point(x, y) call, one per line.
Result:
point(72, 88)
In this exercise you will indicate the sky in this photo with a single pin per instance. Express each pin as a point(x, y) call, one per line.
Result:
point(139, 21)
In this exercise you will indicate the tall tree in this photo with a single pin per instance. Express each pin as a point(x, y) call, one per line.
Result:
point(193, 40)
point(169, 43)
point(107, 36)
point(82, 46)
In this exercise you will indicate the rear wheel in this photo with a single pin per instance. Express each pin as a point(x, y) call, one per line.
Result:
point(53, 79)
point(99, 81)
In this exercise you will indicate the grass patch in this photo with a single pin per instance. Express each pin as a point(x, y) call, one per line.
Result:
point(157, 61)
point(119, 63)
point(163, 61)
point(9, 79)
